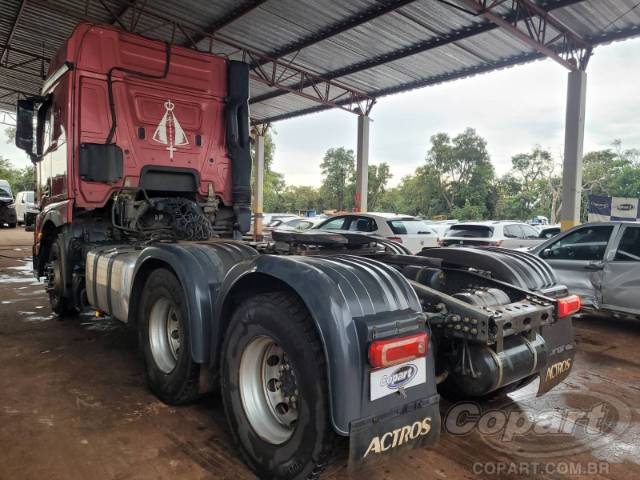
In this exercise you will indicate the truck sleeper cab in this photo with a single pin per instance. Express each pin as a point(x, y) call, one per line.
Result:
point(142, 156)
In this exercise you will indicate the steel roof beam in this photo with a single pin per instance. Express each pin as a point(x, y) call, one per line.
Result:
point(282, 75)
point(564, 45)
point(419, 47)
point(229, 18)
point(426, 82)
point(12, 32)
point(353, 21)
point(7, 118)
point(31, 58)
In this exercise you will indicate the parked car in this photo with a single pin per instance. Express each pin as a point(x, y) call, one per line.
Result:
point(600, 262)
point(7, 207)
point(506, 234)
point(410, 231)
point(441, 227)
point(25, 205)
point(289, 224)
point(549, 231)
point(304, 223)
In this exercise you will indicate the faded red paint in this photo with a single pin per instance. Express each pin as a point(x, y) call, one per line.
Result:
point(195, 84)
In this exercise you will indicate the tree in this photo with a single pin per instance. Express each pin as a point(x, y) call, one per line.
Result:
point(462, 169)
point(379, 176)
point(10, 132)
point(338, 169)
point(19, 178)
point(613, 172)
point(531, 187)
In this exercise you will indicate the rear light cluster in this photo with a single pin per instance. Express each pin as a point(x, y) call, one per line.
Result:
point(383, 353)
point(569, 305)
point(497, 243)
point(395, 239)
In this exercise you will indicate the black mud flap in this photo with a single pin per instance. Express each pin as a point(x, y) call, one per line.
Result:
point(375, 440)
point(561, 349)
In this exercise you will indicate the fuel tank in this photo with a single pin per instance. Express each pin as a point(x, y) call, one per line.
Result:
point(483, 370)
point(109, 278)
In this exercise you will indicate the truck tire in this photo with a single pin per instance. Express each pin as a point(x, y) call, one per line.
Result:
point(164, 334)
point(61, 305)
point(274, 388)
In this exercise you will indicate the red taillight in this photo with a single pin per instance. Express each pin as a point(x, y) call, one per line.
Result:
point(395, 239)
point(440, 242)
point(569, 305)
point(497, 243)
point(383, 353)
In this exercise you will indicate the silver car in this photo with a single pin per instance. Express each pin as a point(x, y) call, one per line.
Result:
point(600, 262)
point(494, 233)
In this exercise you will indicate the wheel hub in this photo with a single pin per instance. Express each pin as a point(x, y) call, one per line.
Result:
point(164, 334)
point(269, 390)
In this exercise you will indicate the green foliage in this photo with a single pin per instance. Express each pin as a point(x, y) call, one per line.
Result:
point(10, 132)
point(457, 177)
point(19, 178)
point(338, 170)
point(379, 176)
point(531, 187)
point(458, 181)
point(613, 172)
point(468, 212)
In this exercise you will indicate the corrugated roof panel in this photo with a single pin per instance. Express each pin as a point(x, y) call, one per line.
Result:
point(275, 24)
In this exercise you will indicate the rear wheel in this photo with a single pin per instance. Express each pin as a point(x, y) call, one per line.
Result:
point(12, 225)
point(164, 333)
point(274, 388)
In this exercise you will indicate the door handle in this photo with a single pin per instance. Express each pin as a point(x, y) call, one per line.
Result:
point(594, 266)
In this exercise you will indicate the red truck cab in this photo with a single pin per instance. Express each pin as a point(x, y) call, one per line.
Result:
point(124, 120)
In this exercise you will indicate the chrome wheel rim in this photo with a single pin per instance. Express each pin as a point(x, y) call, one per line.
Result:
point(268, 390)
point(164, 335)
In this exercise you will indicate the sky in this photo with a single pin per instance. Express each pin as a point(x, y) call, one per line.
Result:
point(513, 109)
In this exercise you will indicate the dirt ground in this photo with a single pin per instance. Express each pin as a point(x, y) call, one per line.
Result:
point(74, 405)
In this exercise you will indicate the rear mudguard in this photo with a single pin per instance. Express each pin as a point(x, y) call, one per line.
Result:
point(520, 269)
point(352, 300)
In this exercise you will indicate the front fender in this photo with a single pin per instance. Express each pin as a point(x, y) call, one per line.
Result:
point(352, 301)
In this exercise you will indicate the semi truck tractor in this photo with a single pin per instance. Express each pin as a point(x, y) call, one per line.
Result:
point(142, 153)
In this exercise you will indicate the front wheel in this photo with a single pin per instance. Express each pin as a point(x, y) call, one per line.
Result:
point(53, 271)
point(274, 388)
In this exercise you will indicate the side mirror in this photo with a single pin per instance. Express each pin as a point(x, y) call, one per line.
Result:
point(546, 253)
point(24, 125)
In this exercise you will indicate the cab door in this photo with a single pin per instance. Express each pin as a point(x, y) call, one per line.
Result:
point(621, 275)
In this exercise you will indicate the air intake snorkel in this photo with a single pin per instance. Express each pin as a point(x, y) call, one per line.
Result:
point(238, 145)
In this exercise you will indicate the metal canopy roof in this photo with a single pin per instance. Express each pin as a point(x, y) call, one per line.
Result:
point(311, 55)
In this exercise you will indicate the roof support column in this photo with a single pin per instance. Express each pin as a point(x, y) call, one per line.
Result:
point(573, 146)
point(362, 167)
point(258, 185)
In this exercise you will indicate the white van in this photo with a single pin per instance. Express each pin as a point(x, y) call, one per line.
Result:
point(25, 203)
